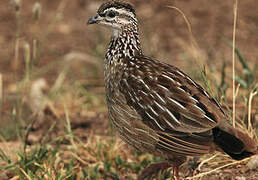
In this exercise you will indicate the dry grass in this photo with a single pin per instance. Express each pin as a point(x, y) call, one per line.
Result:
point(233, 64)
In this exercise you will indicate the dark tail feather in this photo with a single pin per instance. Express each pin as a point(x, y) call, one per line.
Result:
point(230, 144)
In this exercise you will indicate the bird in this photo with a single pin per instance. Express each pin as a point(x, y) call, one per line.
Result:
point(157, 108)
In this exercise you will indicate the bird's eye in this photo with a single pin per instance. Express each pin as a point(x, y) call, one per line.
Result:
point(111, 14)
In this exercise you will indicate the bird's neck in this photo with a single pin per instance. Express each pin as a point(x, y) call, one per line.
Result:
point(125, 43)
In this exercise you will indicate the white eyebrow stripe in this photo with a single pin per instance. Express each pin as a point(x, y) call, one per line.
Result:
point(120, 11)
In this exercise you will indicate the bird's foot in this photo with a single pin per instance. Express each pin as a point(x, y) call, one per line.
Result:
point(153, 170)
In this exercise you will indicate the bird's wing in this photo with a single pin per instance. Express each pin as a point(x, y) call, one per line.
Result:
point(171, 103)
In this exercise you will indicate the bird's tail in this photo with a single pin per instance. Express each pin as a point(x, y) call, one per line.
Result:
point(235, 143)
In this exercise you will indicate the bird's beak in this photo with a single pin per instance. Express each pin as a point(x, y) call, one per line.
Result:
point(94, 19)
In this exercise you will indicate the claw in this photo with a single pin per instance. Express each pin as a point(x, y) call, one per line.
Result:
point(175, 172)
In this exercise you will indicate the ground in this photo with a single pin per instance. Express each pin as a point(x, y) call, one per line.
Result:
point(60, 128)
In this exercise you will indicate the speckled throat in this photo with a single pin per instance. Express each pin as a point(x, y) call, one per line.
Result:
point(125, 43)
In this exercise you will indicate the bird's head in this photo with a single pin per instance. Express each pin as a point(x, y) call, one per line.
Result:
point(115, 14)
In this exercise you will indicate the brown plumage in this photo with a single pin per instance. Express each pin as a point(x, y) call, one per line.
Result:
point(154, 106)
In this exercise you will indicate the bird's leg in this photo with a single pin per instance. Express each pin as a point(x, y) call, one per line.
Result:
point(153, 169)
point(175, 172)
